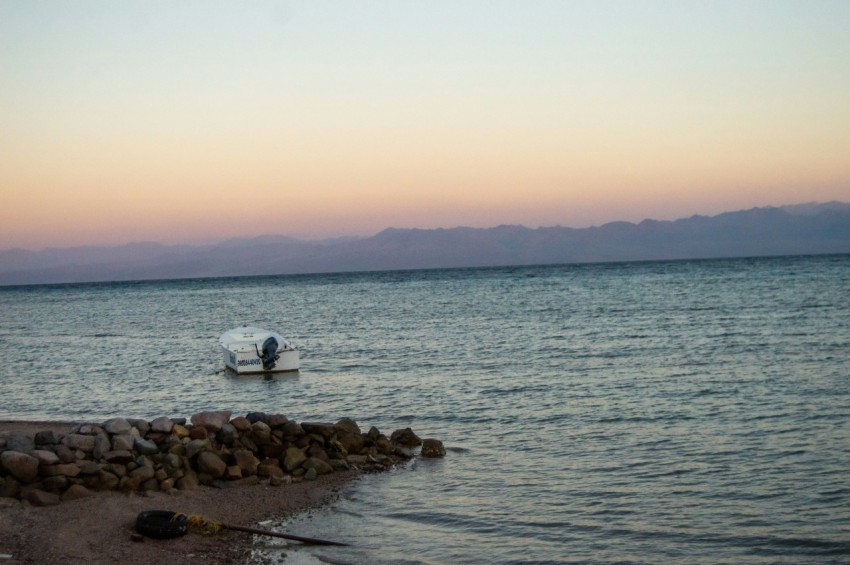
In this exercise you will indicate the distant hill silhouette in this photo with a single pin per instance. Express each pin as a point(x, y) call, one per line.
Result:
point(787, 230)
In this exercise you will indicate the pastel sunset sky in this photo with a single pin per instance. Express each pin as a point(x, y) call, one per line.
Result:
point(195, 121)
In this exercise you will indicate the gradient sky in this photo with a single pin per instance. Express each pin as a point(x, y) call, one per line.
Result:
point(187, 122)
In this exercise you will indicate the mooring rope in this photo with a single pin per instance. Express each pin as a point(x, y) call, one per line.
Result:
point(208, 527)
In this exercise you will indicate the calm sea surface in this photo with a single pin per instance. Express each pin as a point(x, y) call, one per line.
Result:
point(674, 412)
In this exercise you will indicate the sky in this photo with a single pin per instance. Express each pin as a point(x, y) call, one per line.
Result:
point(197, 121)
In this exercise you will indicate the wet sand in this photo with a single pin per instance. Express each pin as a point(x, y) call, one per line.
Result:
point(100, 528)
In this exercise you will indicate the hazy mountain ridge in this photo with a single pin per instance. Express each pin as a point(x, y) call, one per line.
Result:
point(788, 230)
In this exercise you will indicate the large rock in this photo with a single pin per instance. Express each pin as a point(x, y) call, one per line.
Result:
point(261, 433)
point(88, 467)
point(293, 459)
point(118, 456)
point(45, 457)
point(352, 443)
point(246, 461)
point(211, 464)
point(196, 446)
point(84, 443)
point(46, 437)
point(20, 465)
point(292, 429)
point(101, 445)
point(117, 426)
point(76, 491)
point(171, 462)
point(145, 446)
point(107, 481)
point(213, 421)
point(433, 448)
point(123, 442)
point(277, 421)
point(143, 473)
point(163, 424)
point(141, 426)
point(188, 481)
point(241, 423)
point(405, 437)
point(269, 469)
point(66, 454)
point(321, 467)
point(19, 442)
point(256, 417)
point(228, 434)
point(347, 426)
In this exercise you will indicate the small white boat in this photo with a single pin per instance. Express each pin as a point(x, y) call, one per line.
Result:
point(254, 350)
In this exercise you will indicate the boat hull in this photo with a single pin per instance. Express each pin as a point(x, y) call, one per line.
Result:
point(242, 347)
point(246, 362)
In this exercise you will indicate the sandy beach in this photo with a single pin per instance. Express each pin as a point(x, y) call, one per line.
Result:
point(100, 528)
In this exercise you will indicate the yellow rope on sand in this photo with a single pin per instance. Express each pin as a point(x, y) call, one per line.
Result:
point(208, 527)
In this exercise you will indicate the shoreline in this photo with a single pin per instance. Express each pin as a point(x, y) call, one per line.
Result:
point(100, 528)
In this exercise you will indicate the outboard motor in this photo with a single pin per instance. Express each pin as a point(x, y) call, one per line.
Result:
point(269, 354)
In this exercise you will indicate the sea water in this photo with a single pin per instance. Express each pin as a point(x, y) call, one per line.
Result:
point(658, 412)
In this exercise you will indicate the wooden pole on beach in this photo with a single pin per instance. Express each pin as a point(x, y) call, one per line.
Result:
point(302, 539)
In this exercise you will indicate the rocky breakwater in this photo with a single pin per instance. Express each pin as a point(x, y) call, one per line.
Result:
point(211, 448)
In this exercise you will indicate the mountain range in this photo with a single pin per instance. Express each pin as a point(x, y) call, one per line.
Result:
point(815, 228)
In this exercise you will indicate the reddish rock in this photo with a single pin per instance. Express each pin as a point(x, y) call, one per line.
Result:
point(163, 424)
point(20, 465)
point(246, 461)
point(213, 421)
point(45, 457)
point(277, 421)
point(241, 423)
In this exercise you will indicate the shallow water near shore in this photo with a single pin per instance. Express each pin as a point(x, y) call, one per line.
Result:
point(677, 412)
